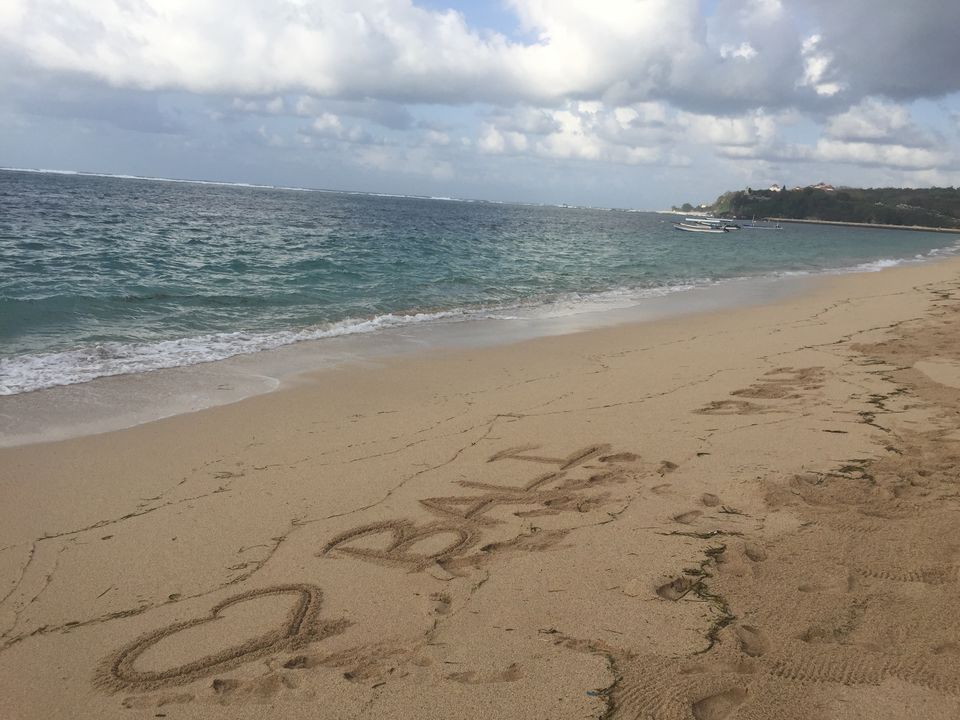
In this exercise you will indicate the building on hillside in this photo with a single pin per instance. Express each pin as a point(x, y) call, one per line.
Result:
point(826, 187)
point(776, 188)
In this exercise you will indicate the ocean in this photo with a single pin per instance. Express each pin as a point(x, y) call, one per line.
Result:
point(104, 275)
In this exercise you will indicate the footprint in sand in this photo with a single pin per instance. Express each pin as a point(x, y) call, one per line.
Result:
point(688, 517)
point(754, 551)
point(676, 588)
point(232, 691)
point(470, 677)
point(719, 706)
point(442, 603)
point(752, 641)
point(710, 500)
point(940, 370)
point(666, 467)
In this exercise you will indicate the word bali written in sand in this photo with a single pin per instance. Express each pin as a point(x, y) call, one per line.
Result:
point(462, 523)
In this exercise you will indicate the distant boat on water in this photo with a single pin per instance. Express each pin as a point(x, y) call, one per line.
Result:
point(753, 226)
point(713, 222)
point(706, 224)
point(699, 227)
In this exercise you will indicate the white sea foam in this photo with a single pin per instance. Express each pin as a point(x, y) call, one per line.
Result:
point(26, 373)
point(34, 372)
point(877, 265)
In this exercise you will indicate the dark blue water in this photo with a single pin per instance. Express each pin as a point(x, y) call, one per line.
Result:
point(103, 275)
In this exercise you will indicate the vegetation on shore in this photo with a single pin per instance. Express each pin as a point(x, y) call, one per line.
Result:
point(928, 207)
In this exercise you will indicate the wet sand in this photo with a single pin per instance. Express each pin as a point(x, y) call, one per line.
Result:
point(740, 514)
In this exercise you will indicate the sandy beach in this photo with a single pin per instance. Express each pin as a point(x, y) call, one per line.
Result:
point(750, 513)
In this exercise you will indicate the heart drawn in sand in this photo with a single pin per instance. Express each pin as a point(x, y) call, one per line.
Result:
point(300, 627)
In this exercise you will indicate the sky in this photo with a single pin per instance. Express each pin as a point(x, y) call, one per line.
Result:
point(612, 103)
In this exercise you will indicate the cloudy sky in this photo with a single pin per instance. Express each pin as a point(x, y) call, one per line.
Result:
point(616, 103)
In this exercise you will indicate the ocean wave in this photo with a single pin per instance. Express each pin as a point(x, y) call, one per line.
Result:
point(26, 373)
point(44, 370)
point(884, 263)
point(877, 265)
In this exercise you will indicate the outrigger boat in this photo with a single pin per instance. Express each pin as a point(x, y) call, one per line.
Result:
point(713, 222)
point(752, 225)
point(706, 224)
point(699, 227)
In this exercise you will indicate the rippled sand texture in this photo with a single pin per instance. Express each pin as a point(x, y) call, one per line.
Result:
point(749, 514)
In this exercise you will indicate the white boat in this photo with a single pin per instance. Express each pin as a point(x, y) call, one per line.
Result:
point(699, 227)
point(712, 222)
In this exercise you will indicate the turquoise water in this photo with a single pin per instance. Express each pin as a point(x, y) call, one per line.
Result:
point(104, 275)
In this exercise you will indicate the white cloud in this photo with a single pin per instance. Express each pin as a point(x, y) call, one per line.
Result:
point(574, 138)
point(875, 120)
point(435, 137)
point(817, 68)
point(270, 138)
point(744, 51)
point(329, 126)
point(757, 128)
point(527, 120)
point(875, 154)
point(12, 15)
point(619, 51)
point(622, 82)
point(901, 50)
point(334, 48)
point(495, 142)
point(590, 131)
point(409, 161)
point(855, 138)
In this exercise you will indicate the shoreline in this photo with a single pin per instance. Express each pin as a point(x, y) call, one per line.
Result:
point(115, 402)
point(605, 523)
point(915, 228)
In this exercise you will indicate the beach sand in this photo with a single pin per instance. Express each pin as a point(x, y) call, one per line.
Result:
point(744, 514)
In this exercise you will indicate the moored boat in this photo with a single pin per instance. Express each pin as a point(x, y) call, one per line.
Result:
point(712, 222)
point(699, 227)
point(752, 225)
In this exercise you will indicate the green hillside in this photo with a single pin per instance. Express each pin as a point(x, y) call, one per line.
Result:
point(930, 207)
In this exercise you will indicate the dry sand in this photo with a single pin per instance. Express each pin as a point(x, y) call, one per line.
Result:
point(746, 514)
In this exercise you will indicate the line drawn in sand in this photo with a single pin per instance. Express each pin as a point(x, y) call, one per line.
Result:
point(577, 457)
point(784, 383)
point(403, 537)
point(733, 407)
